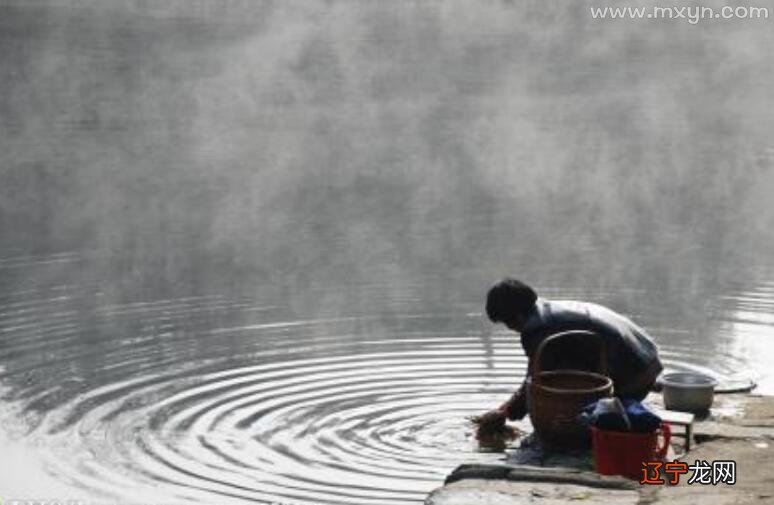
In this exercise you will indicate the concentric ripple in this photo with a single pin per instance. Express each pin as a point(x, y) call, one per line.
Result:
point(209, 399)
point(285, 411)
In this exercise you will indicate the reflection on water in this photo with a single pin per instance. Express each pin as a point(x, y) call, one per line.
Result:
point(171, 392)
point(214, 398)
point(244, 245)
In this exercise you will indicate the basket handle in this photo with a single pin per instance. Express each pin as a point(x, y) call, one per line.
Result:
point(573, 333)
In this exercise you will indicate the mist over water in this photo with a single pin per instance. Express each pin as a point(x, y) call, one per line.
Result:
point(244, 245)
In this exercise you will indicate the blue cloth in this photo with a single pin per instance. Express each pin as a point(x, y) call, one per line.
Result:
point(641, 419)
point(619, 415)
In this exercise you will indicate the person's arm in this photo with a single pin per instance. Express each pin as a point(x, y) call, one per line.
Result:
point(516, 406)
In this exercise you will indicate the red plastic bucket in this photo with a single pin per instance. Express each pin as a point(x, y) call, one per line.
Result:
point(622, 452)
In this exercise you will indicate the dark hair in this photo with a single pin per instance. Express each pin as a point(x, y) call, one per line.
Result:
point(507, 298)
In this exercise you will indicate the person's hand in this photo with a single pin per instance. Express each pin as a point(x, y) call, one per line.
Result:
point(489, 423)
point(493, 434)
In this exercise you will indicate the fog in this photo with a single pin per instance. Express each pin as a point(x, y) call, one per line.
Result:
point(300, 145)
point(208, 201)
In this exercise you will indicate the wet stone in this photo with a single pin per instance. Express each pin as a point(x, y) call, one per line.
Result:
point(507, 492)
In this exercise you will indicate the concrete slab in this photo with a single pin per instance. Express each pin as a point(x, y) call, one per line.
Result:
point(504, 492)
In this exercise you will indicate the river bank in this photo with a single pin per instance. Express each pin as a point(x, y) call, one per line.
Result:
point(740, 429)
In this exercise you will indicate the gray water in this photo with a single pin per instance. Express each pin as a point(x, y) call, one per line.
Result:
point(244, 246)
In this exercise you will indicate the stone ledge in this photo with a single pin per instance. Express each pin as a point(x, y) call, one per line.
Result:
point(519, 473)
point(506, 492)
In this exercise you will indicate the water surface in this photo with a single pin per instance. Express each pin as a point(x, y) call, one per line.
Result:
point(216, 397)
point(244, 246)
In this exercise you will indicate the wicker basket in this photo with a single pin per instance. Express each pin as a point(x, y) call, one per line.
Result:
point(558, 396)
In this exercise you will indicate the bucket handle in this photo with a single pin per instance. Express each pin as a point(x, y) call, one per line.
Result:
point(557, 336)
point(666, 432)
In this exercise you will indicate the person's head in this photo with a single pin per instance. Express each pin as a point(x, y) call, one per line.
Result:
point(510, 302)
